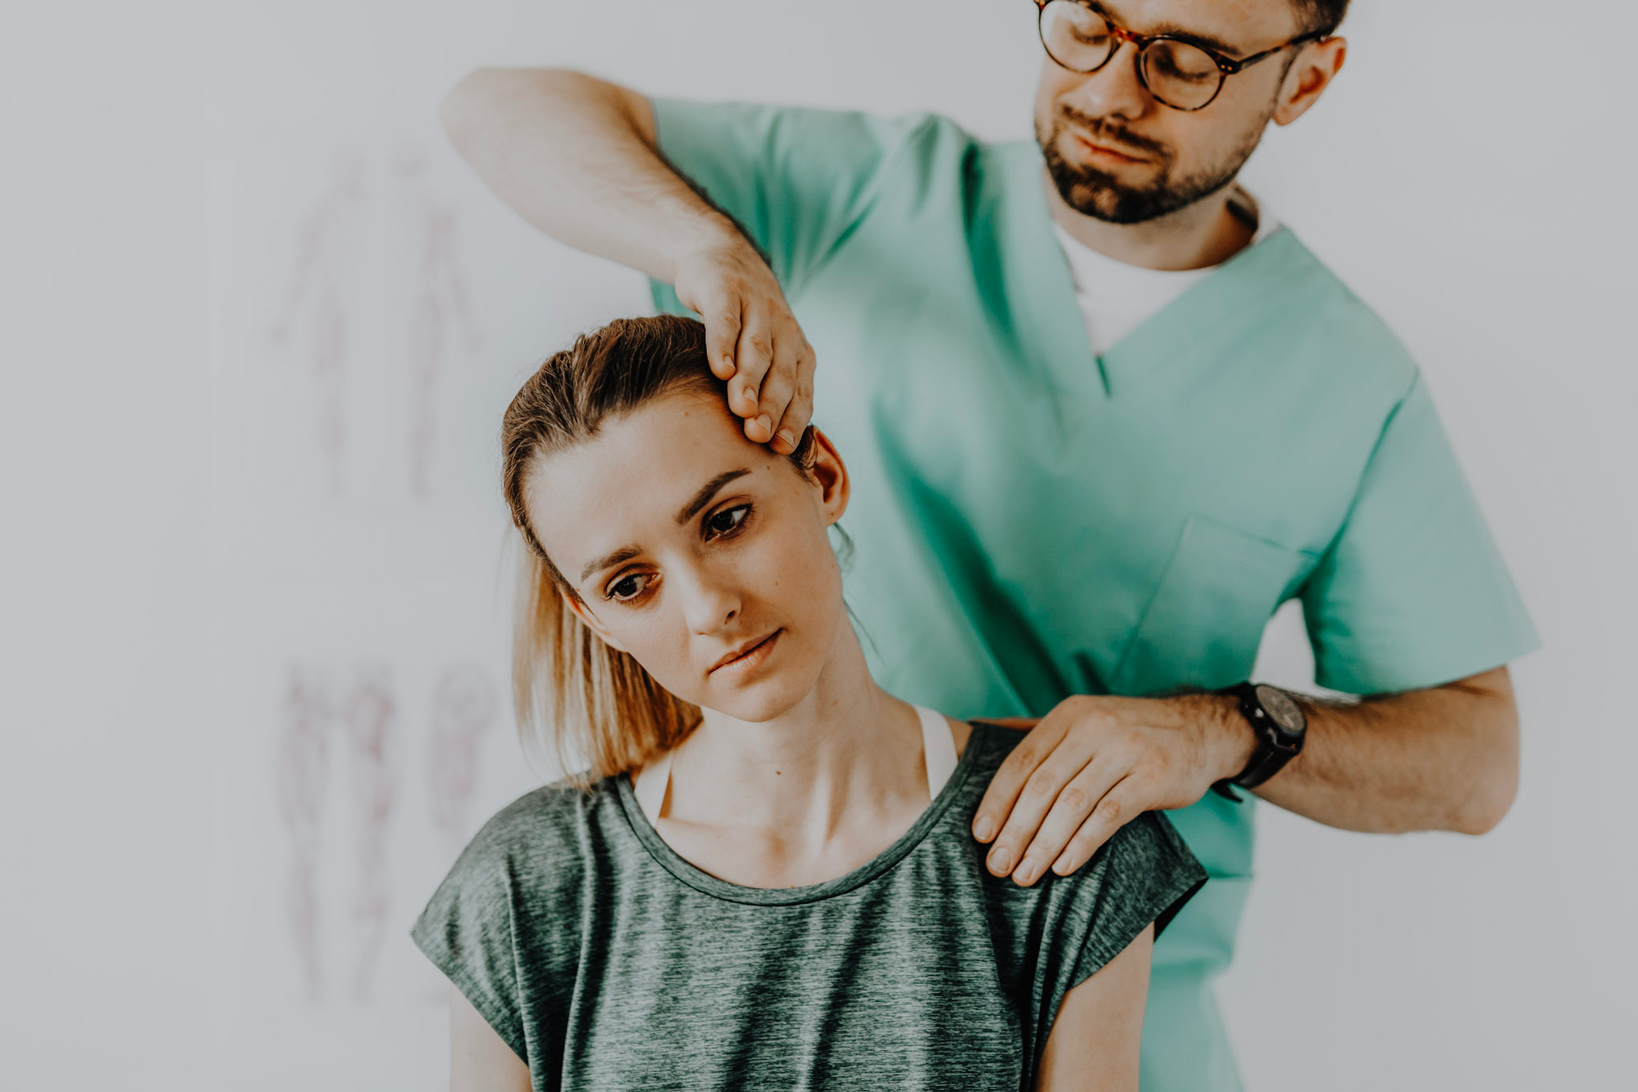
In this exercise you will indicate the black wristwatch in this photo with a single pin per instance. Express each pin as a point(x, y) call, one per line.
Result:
point(1280, 726)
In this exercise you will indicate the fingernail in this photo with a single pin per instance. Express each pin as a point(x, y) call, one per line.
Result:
point(785, 435)
point(1062, 866)
point(985, 830)
point(1026, 872)
point(763, 420)
point(728, 363)
point(1000, 860)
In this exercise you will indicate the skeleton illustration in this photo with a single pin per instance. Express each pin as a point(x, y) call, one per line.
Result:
point(368, 717)
point(319, 292)
point(439, 297)
point(301, 774)
point(463, 706)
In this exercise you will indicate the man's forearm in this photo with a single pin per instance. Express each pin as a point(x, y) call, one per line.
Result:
point(1445, 758)
point(575, 156)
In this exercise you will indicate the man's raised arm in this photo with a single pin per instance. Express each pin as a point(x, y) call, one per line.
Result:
point(576, 156)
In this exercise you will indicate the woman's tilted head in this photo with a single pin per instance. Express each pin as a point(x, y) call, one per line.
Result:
point(674, 563)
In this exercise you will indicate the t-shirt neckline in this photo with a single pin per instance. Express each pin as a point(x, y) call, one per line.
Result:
point(707, 884)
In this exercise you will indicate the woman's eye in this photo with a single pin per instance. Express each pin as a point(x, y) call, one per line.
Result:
point(630, 586)
point(726, 521)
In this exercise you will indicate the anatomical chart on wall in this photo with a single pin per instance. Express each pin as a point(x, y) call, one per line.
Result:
point(373, 309)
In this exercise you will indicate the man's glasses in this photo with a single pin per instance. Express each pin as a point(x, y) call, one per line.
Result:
point(1181, 74)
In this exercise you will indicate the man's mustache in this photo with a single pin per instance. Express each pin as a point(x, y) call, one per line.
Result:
point(1106, 130)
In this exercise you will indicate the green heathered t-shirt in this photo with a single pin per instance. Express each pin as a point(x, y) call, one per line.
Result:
point(607, 961)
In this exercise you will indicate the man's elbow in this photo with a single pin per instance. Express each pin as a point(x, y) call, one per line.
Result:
point(1490, 801)
point(465, 105)
point(1495, 784)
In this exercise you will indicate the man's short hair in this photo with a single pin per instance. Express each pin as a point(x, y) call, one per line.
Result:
point(1321, 14)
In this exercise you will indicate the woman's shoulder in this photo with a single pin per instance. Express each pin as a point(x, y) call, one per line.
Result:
point(546, 828)
point(514, 899)
point(1143, 874)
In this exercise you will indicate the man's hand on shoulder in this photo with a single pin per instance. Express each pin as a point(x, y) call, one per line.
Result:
point(751, 339)
point(1094, 764)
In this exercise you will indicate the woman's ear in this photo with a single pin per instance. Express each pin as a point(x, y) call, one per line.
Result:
point(591, 621)
point(830, 473)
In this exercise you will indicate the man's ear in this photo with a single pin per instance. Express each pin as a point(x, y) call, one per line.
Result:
point(591, 621)
point(830, 473)
point(1311, 73)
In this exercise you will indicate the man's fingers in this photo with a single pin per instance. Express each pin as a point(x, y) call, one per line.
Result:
point(778, 388)
point(1067, 816)
point(752, 360)
point(798, 411)
point(788, 433)
point(721, 339)
point(1040, 790)
point(1119, 806)
point(1009, 779)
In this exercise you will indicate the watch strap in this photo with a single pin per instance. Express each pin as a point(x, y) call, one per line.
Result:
point(1268, 759)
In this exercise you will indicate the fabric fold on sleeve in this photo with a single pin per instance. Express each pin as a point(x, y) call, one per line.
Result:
point(1145, 875)
point(467, 932)
point(1413, 592)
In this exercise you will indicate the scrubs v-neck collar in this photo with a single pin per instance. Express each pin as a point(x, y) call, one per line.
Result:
point(1050, 326)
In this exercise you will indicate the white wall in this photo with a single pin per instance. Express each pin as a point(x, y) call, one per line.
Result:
point(1469, 175)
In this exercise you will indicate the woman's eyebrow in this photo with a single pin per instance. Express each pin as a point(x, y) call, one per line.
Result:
point(608, 561)
point(707, 492)
point(690, 510)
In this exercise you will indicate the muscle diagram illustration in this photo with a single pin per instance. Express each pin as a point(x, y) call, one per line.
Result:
point(333, 723)
point(369, 720)
point(438, 303)
point(319, 311)
point(463, 707)
point(301, 776)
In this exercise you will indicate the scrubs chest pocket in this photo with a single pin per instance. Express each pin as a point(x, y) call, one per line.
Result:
point(1205, 619)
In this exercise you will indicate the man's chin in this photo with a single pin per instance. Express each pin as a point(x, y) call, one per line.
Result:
point(1107, 201)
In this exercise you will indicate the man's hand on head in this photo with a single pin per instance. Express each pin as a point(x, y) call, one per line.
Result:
point(751, 339)
point(1095, 763)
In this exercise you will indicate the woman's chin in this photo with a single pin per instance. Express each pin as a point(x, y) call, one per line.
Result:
point(760, 700)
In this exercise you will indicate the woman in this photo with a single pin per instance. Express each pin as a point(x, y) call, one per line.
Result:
point(767, 879)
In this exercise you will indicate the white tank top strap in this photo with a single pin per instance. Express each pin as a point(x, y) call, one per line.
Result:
point(937, 750)
point(652, 782)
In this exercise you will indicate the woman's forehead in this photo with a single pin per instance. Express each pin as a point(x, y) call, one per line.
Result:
point(638, 473)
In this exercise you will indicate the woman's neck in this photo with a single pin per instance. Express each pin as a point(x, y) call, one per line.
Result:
point(807, 795)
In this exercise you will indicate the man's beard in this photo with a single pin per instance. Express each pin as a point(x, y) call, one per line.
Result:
point(1096, 193)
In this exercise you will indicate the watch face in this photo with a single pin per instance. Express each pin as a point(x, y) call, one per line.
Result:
point(1281, 709)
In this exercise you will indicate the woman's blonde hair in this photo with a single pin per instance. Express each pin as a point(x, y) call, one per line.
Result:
point(575, 694)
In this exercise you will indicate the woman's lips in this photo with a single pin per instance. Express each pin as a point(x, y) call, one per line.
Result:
point(748, 658)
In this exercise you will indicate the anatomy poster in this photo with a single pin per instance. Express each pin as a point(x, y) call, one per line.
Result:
point(373, 309)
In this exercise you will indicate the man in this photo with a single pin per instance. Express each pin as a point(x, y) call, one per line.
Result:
point(1103, 417)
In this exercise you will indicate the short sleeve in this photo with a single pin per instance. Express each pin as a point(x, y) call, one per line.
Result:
point(467, 932)
point(1412, 592)
point(797, 180)
point(1142, 876)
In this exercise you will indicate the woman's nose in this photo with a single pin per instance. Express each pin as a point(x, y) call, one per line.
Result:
point(709, 604)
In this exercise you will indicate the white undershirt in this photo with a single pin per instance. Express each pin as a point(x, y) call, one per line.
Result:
point(1116, 298)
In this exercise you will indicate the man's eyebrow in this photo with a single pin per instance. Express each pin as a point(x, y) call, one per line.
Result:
point(1172, 30)
point(707, 492)
point(608, 561)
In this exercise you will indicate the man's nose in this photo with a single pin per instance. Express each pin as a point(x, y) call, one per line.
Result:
point(1115, 91)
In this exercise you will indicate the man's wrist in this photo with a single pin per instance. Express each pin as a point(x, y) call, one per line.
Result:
point(1230, 742)
point(708, 233)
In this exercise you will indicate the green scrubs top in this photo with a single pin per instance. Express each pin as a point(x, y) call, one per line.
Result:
point(1032, 521)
